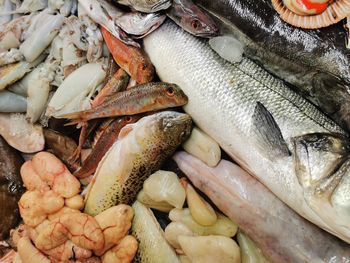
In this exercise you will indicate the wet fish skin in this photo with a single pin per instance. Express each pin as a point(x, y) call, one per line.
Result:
point(104, 143)
point(281, 234)
point(149, 6)
point(316, 62)
point(142, 98)
point(61, 146)
point(192, 19)
point(11, 187)
point(263, 125)
point(132, 59)
point(140, 150)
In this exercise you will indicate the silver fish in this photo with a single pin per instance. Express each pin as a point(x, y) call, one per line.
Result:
point(149, 6)
point(261, 215)
point(278, 136)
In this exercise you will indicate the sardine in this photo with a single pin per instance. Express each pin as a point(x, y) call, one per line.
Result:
point(140, 150)
point(106, 140)
point(149, 6)
point(11, 187)
point(271, 131)
point(143, 98)
point(281, 234)
point(192, 19)
point(315, 61)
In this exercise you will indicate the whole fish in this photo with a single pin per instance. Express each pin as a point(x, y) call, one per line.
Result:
point(271, 131)
point(281, 234)
point(11, 187)
point(143, 98)
point(140, 150)
point(132, 59)
point(149, 6)
point(105, 142)
point(192, 19)
point(314, 61)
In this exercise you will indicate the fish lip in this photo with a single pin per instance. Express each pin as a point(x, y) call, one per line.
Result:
point(209, 31)
point(165, 4)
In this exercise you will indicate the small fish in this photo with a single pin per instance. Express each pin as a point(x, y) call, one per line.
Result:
point(97, 13)
point(62, 146)
point(149, 6)
point(133, 60)
point(142, 98)
point(140, 150)
point(192, 19)
point(261, 215)
point(11, 187)
point(105, 142)
point(140, 24)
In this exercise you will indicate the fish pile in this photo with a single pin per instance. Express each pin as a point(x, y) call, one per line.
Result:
point(173, 131)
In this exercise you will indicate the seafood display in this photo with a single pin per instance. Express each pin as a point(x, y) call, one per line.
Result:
point(273, 132)
point(187, 131)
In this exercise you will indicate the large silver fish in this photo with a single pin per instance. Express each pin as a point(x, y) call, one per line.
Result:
point(279, 137)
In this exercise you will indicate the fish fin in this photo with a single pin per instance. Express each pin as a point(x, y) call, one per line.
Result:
point(74, 122)
point(268, 134)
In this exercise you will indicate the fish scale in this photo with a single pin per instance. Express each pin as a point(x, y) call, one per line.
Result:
point(224, 100)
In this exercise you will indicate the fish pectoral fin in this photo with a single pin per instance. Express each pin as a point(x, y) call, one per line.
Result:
point(267, 133)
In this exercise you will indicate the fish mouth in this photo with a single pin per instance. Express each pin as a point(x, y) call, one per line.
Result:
point(161, 5)
point(209, 31)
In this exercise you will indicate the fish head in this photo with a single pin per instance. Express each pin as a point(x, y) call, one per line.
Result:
point(171, 128)
point(144, 70)
point(171, 95)
point(322, 166)
point(193, 19)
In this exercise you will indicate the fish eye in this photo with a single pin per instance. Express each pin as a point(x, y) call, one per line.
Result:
point(195, 24)
point(128, 118)
point(170, 91)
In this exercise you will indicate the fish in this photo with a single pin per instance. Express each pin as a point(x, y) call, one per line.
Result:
point(140, 150)
point(272, 132)
point(142, 98)
point(61, 146)
point(150, 6)
point(132, 59)
point(140, 24)
point(11, 187)
point(280, 233)
point(11, 102)
point(192, 19)
point(104, 143)
point(313, 62)
point(153, 247)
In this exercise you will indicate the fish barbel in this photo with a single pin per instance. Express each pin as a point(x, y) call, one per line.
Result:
point(271, 131)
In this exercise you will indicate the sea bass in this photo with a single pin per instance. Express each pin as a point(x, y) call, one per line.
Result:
point(281, 234)
point(275, 134)
point(315, 61)
point(140, 150)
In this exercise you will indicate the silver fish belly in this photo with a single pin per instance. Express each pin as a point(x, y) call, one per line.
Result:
point(279, 137)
